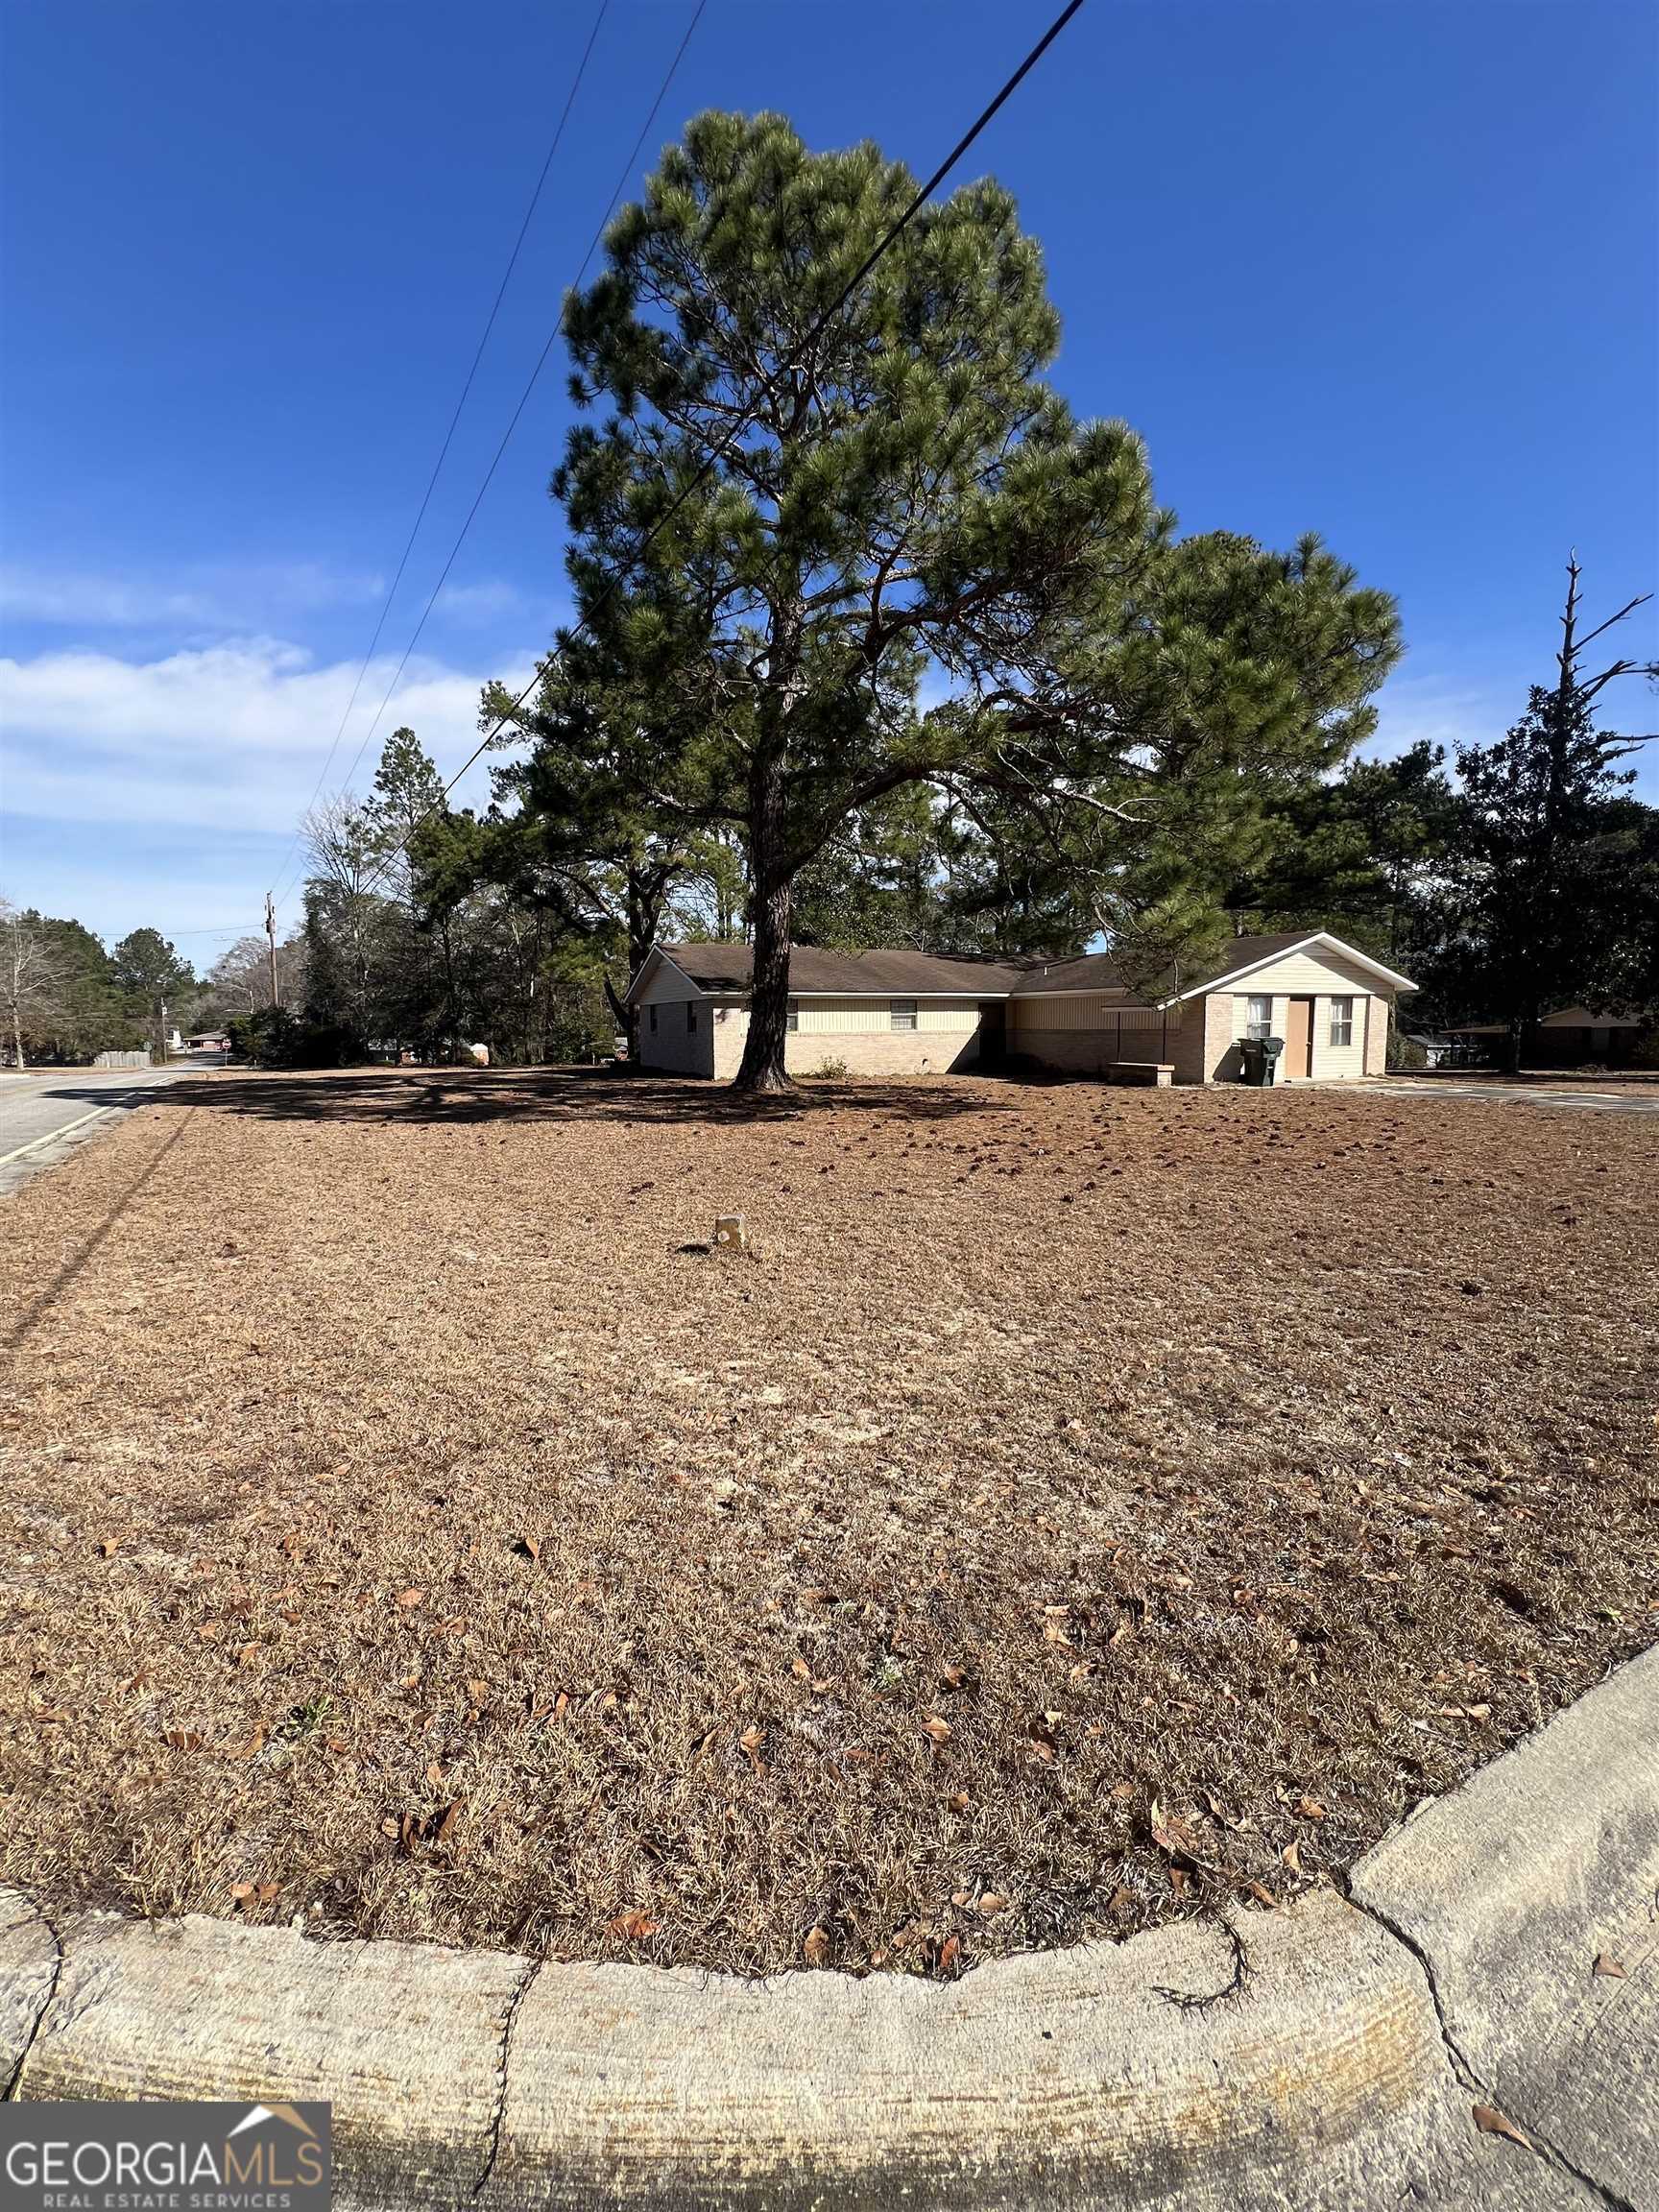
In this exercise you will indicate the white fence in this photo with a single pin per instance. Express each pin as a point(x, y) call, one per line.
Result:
point(138, 1059)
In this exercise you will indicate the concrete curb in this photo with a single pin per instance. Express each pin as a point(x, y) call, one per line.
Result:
point(1342, 2071)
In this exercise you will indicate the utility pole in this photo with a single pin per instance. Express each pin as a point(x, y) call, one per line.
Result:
point(271, 942)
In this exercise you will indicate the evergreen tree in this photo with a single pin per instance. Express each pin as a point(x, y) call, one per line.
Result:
point(1556, 892)
point(906, 494)
point(149, 971)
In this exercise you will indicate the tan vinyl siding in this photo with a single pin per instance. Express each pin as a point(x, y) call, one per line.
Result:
point(665, 985)
point(1074, 1010)
point(1087, 1032)
point(1332, 1062)
point(1301, 975)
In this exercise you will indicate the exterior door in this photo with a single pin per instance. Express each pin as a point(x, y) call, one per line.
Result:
point(993, 1033)
point(1298, 1037)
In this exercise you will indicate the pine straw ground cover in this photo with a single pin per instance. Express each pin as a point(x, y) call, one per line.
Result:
point(1083, 1504)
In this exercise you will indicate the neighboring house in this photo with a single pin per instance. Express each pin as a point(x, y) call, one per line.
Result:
point(1573, 1037)
point(889, 1013)
point(208, 1040)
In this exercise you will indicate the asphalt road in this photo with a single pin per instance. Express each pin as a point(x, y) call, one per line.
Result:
point(45, 1117)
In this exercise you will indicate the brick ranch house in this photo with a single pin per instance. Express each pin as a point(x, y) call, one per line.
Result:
point(910, 1013)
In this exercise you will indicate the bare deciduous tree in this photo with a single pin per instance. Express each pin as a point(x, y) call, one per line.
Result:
point(31, 977)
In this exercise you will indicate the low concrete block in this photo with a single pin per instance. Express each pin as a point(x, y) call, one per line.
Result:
point(404, 2040)
point(1512, 1887)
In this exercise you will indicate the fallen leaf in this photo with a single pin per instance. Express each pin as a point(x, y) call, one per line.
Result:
point(960, 1802)
point(446, 1826)
point(530, 1546)
point(107, 1547)
point(1172, 1835)
point(1292, 1856)
point(1310, 1809)
point(816, 1947)
point(478, 1691)
point(1604, 1965)
point(408, 1599)
point(634, 1926)
point(947, 1952)
point(992, 1903)
point(939, 1730)
point(1491, 2122)
point(954, 1677)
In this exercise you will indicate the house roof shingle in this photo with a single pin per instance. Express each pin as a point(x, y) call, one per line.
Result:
point(1102, 971)
point(814, 969)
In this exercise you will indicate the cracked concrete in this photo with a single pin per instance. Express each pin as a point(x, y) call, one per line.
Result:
point(1343, 2073)
point(1509, 1890)
point(31, 1961)
point(498, 2117)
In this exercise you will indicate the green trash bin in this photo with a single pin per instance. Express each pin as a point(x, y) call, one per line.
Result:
point(1261, 1059)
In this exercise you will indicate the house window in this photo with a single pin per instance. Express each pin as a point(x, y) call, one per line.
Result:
point(1258, 1015)
point(1342, 1020)
point(691, 1016)
point(653, 1021)
point(792, 1020)
point(903, 1013)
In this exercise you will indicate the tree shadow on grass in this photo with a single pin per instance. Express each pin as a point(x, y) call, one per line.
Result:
point(457, 1097)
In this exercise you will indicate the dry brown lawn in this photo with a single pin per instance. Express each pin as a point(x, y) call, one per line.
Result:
point(1082, 1507)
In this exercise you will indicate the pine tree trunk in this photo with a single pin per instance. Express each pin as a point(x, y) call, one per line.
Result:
point(17, 1032)
point(763, 1065)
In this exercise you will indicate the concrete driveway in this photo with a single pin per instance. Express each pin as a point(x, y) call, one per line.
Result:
point(1567, 1097)
point(45, 1113)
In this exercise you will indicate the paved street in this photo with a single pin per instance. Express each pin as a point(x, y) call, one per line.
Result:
point(45, 1117)
point(1569, 1098)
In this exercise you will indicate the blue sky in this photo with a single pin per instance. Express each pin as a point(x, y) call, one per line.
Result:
point(1382, 270)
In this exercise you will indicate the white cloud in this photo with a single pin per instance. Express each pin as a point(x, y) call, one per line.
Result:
point(226, 737)
point(1412, 708)
point(494, 600)
point(222, 596)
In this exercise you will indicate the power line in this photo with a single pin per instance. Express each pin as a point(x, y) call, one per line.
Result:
point(626, 172)
point(449, 433)
point(747, 417)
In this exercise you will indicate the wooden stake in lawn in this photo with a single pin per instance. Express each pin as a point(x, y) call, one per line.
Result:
point(730, 1234)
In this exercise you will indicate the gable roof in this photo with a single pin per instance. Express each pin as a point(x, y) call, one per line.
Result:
point(1245, 955)
point(1102, 971)
point(815, 972)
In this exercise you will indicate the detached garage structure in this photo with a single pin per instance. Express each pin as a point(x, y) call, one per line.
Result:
point(892, 1013)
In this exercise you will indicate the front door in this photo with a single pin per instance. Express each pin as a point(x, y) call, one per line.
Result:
point(1298, 1037)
